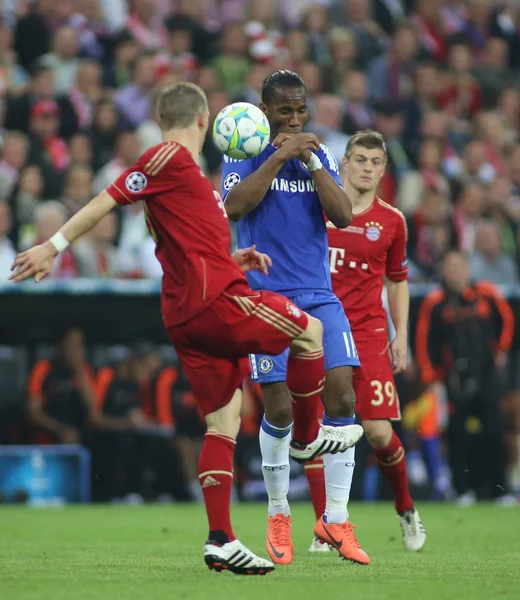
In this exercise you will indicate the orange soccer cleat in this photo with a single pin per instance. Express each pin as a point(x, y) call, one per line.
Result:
point(341, 536)
point(279, 540)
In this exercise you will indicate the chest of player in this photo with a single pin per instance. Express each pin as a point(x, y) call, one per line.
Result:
point(293, 181)
point(364, 245)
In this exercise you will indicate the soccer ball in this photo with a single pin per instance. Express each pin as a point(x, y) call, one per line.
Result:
point(241, 130)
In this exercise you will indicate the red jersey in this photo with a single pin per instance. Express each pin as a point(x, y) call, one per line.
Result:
point(372, 246)
point(186, 218)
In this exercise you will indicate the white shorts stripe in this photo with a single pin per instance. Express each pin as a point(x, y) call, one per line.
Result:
point(254, 370)
point(353, 345)
point(347, 344)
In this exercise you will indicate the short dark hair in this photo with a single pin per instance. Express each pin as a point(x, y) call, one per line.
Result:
point(278, 80)
point(367, 138)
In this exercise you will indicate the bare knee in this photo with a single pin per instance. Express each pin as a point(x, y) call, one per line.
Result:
point(311, 339)
point(339, 398)
point(226, 420)
point(277, 404)
point(378, 432)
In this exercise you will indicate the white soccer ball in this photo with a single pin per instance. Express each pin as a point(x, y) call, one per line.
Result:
point(241, 130)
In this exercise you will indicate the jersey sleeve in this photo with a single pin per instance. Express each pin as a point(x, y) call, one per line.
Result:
point(151, 175)
point(233, 171)
point(328, 160)
point(397, 260)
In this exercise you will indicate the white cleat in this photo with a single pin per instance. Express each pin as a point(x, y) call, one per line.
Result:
point(236, 558)
point(319, 546)
point(507, 501)
point(330, 440)
point(467, 499)
point(414, 534)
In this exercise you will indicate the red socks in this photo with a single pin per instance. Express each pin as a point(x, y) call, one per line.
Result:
point(392, 463)
point(305, 380)
point(316, 479)
point(216, 480)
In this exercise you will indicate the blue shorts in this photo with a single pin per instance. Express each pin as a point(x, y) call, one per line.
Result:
point(338, 343)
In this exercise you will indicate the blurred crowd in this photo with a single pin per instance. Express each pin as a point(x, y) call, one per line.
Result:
point(78, 82)
point(440, 80)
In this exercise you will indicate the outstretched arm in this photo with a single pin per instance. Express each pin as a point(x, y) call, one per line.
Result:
point(37, 261)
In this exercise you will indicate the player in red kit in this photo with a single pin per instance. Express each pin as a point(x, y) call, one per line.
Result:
point(212, 317)
point(371, 248)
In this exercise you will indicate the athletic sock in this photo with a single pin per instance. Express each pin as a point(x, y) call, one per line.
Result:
point(274, 446)
point(305, 380)
point(315, 473)
point(339, 470)
point(216, 480)
point(392, 463)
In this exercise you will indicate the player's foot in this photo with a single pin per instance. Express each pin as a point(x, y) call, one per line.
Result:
point(467, 499)
point(507, 501)
point(319, 546)
point(279, 540)
point(329, 441)
point(341, 536)
point(414, 534)
point(236, 558)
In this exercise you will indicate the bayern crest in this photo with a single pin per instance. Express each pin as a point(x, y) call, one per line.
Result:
point(293, 310)
point(373, 231)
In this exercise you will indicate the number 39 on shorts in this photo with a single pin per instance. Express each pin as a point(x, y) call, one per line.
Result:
point(382, 392)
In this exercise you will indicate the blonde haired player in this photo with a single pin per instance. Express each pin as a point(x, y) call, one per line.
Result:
point(372, 247)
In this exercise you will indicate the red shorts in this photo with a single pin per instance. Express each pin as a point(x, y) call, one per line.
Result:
point(374, 385)
point(213, 347)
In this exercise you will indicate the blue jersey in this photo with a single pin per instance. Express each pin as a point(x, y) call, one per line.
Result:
point(288, 224)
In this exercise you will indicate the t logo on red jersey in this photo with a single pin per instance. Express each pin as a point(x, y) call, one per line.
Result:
point(336, 259)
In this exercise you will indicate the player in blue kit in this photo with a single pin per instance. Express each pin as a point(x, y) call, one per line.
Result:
point(279, 199)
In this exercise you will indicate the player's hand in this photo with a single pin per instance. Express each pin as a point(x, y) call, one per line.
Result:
point(69, 435)
point(249, 259)
point(293, 145)
point(399, 353)
point(36, 262)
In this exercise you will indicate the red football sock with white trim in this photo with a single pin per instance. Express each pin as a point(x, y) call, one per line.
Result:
point(392, 463)
point(316, 480)
point(305, 380)
point(216, 480)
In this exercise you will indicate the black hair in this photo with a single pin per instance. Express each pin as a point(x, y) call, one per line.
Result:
point(179, 23)
point(38, 67)
point(278, 80)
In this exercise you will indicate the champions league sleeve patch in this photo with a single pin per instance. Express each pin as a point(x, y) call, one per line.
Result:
point(136, 182)
point(230, 181)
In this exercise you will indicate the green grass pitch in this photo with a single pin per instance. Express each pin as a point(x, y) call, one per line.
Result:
point(155, 552)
